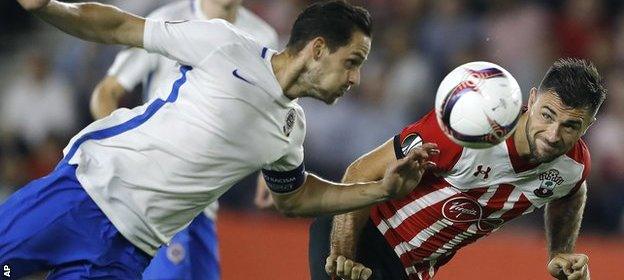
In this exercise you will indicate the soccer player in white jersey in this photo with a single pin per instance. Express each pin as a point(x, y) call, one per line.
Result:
point(130, 181)
point(473, 192)
point(193, 252)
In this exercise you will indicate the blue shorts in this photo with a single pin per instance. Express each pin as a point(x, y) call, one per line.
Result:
point(192, 254)
point(52, 224)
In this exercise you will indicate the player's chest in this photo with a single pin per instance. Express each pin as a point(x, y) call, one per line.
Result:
point(493, 172)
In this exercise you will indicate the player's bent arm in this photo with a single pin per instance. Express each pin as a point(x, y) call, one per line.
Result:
point(347, 227)
point(90, 21)
point(105, 97)
point(563, 221)
point(317, 196)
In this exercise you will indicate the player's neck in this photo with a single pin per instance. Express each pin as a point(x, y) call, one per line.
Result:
point(287, 69)
point(520, 137)
point(211, 9)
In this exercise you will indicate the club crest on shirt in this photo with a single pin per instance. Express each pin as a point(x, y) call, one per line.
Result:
point(290, 122)
point(176, 253)
point(410, 142)
point(549, 180)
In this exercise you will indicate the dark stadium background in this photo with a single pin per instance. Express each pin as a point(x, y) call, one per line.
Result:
point(415, 43)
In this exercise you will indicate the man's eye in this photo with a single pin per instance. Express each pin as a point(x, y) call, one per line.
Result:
point(546, 116)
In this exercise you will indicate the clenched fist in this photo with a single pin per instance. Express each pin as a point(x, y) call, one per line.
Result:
point(569, 266)
point(346, 269)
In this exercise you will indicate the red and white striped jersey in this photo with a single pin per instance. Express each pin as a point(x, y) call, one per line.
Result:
point(472, 193)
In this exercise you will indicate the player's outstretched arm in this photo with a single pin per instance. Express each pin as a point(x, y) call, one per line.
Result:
point(563, 222)
point(318, 196)
point(105, 97)
point(347, 227)
point(90, 21)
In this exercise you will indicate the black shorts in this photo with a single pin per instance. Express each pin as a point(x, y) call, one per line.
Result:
point(372, 251)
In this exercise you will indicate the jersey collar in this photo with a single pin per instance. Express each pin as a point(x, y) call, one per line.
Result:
point(518, 163)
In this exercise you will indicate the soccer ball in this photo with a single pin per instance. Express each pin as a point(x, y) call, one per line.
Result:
point(478, 104)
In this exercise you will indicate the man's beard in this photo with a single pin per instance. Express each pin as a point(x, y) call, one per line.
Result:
point(534, 157)
point(310, 80)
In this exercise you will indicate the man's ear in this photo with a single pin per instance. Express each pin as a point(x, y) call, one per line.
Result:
point(318, 47)
point(533, 96)
point(593, 120)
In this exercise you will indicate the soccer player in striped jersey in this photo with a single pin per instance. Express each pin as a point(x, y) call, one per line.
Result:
point(473, 192)
point(130, 181)
point(192, 253)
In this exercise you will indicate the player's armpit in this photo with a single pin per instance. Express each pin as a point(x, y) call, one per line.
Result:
point(93, 22)
point(105, 97)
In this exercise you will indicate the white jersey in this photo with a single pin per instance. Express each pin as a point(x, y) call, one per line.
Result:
point(152, 169)
point(135, 65)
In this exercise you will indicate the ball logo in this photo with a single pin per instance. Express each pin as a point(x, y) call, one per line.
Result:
point(465, 210)
point(290, 122)
point(550, 179)
point(176, 253)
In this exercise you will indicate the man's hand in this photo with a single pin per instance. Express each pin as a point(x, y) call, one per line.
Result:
point(346, 269)
point(31, 5)
point(404, 175)
point(569, 266)
point(263, 198)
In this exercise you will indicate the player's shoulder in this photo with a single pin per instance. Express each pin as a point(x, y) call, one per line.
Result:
point(429, 130)
point(174, 10)
point(580, 152)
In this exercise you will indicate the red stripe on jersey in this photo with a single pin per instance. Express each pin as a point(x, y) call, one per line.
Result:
point(427, 216)
point(425, 219)
point(497, 201)
point(519, 207)
point(429, 183)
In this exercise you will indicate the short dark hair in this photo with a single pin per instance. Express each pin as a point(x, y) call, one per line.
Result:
point(335, 21)
point(576, 82)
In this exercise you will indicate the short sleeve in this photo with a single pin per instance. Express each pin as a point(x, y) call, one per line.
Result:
point(131, 66)
point(287, 174)
point(427, 130)
point(187, 42)
point(580, 154)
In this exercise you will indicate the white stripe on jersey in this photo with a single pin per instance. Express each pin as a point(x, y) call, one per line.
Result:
point(513, 197)
point(529, 210)
point(421, 237)
point(472, 229)
point(484, 198)
point(383, 227)
point(419, 204)
point(458, 239)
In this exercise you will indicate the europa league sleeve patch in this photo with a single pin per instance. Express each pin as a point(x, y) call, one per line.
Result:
point(402, 148)
point(284, 181)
